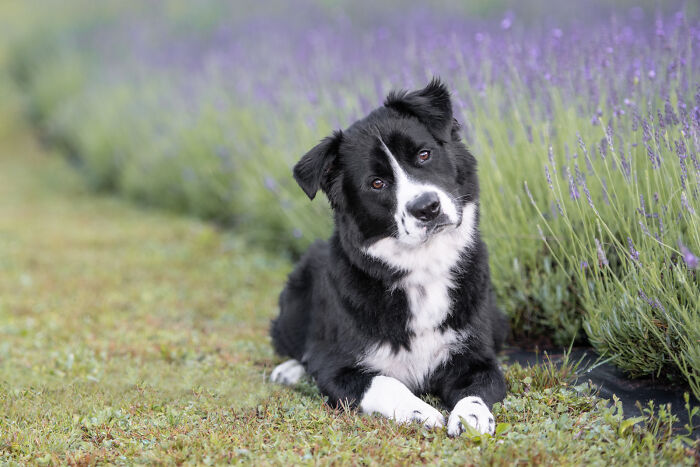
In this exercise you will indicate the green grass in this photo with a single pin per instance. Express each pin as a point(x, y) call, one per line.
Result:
point(189, 143)
point(133, 336)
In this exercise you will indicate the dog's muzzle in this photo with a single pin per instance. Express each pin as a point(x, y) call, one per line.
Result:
point(425, 207)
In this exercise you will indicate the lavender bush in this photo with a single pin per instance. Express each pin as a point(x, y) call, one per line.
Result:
point(586, 124)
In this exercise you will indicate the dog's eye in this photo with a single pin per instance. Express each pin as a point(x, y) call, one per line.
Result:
point(378, 184)
point(424, 155)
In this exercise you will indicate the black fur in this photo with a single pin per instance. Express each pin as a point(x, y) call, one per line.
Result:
point(337, 302)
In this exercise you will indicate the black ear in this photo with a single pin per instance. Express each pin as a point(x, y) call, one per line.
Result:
point(313, 169)
point(431, 105)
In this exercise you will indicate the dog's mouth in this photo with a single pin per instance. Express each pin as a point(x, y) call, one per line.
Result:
point(432, 229)
point(437, 228)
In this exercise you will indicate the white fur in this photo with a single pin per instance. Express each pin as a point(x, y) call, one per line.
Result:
point(426, 285)
point(288, 373)
point(410, 230)
point(473, 410)
point(390, 398)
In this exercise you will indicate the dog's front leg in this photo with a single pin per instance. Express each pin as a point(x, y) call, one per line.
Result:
point(471, 386)
point(372, 393)
point(391, 398)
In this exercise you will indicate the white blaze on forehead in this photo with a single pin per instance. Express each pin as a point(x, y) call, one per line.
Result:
point(410, 229)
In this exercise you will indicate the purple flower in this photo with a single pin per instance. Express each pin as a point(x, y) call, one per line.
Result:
point(588, 194)
point(682, 156)
point(692, 261)
point(529, 195)
point(671, 118)
point(550, 154)
point(634, 254)
point(626, 169)
point(642, 209)
point(573, 189)
point(686, 204)
point(270, 183)
point(644, 228)
point(652, 302)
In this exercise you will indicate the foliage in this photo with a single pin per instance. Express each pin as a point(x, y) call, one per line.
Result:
point(595, 111)
point(158, 354)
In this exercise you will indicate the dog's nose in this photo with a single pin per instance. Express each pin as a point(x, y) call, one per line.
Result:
point(425, 207)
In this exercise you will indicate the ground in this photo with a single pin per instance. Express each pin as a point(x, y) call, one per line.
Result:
point(134, 336)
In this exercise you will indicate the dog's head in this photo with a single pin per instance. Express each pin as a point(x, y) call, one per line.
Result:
point(401, 172)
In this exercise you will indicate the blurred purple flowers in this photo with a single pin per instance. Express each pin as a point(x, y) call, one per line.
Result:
point(692, 261)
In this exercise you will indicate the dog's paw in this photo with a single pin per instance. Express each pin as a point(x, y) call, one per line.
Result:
point(419, 411)
point(473, 410)
point(288, 373)
point(392, 399)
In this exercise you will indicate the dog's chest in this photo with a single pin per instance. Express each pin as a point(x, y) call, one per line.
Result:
point(429, 347)
point(431, 272)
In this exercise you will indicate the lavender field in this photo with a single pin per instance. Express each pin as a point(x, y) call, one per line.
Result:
point(585, 122)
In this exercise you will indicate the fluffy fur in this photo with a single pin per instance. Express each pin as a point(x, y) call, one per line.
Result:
point(398, 301)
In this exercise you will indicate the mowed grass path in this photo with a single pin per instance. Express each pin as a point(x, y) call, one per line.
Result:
point(123, 332)
point(132, 336)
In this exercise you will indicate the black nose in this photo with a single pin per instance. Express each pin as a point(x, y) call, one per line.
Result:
point(425, 207)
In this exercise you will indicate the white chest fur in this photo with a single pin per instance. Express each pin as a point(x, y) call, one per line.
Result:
point(427, 287)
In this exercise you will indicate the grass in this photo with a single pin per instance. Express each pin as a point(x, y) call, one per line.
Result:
point(133, 336)
point(204, 111)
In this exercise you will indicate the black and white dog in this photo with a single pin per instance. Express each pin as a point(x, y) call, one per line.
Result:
point(398, 302)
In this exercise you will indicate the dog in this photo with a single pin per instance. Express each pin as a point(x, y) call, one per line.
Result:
point(399, 300)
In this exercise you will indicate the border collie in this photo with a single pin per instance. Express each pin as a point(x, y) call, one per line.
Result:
point(398, 301)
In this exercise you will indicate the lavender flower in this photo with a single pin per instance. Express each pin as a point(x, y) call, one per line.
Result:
point(634, 254)
point(682, 156)
point(549, 177)
point(626, 169)
point(686, 205)
point(642, 206)
point(671, 118)
point(550, 155)
point(270, 183)
point(652, 302)
point(584, 185)
point(529, 195)
point(691, 260)
point(573, 189)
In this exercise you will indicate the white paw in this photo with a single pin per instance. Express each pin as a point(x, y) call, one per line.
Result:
point(392, 399)
point(475, 412)
point(288, 373)
point(419, 412)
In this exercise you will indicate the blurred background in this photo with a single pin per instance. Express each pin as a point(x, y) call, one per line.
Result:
point(584, 117)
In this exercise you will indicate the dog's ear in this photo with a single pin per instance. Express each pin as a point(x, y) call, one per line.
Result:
point(431, 105)
point(316, 166)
